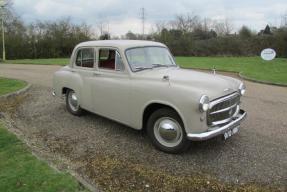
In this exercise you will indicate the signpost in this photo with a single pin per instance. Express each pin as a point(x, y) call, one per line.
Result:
point(268, 54)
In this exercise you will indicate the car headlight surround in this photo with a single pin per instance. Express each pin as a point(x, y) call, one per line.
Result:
point(242, 89)
point(203, 103)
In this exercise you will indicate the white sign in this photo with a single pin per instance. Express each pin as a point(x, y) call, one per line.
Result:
point(268, 54)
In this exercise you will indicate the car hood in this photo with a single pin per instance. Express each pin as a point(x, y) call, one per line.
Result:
point(212, 85)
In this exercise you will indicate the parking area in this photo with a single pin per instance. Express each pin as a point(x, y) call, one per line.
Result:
point(258, 154)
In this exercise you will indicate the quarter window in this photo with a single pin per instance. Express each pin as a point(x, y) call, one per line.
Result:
point(119, 63)
point(85, 58)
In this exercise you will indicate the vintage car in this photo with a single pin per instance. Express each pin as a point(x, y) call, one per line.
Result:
point(138, 83)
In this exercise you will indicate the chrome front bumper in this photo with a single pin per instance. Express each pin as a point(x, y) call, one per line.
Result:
point(218, 130)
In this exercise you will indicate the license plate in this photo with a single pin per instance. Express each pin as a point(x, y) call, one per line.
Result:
point(230, 132)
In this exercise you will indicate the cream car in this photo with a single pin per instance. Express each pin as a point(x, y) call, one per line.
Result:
point(137, 83)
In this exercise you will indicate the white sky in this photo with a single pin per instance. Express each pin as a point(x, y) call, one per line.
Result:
point(124, 15)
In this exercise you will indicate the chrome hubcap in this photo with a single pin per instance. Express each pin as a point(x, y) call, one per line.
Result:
point(73, 101)
point(168, 132)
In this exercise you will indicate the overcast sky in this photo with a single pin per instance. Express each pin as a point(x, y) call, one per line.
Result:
point(124, 15)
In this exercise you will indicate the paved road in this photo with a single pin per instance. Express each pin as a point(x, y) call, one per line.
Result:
point(257, 154)
point(35, 74)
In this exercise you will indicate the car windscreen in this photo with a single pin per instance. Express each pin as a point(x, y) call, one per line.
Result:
point(149, 57)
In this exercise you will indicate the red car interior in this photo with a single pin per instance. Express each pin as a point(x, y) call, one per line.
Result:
point(109, 63)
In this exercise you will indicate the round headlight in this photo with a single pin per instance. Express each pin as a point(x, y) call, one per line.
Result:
point(204, 103)
point(242, 89)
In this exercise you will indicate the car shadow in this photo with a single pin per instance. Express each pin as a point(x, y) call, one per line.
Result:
point(196, 147)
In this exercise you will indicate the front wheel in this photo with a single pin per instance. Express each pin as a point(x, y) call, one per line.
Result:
point(72, 103)
point(166, 131)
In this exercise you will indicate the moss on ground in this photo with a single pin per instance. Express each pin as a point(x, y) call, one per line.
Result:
point(113, 174)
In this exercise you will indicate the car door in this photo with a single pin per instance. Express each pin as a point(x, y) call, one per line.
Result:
point(111, 86)
point(84, 66)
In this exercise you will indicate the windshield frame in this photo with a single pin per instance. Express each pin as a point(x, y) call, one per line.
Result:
point(147, 46)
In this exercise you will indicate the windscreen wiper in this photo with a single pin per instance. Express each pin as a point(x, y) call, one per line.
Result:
point(142, 68)
point(158, 65)
point(162, 65)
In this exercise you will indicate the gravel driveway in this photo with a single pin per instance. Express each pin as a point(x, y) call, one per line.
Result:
point(258, 154)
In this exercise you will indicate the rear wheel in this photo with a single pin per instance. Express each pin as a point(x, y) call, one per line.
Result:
point(166, 131)
point(72, 103)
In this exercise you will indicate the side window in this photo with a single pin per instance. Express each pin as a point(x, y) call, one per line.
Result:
point(85, 58)
point(110, 59)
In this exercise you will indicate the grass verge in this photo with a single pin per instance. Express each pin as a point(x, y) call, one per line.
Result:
point(253, 67)
point(10, 85)
point(50, 61)
point(21, 171)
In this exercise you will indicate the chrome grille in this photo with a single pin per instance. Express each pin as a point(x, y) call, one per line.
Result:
point(223, 109)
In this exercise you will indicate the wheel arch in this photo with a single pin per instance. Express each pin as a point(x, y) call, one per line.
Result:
point(65, 89)
point(155, 105)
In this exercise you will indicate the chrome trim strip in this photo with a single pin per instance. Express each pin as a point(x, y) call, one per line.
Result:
point(216, 101)
point(228, 119)
point(218, 131)
point(221, 100)
point(237, 111)
point(223, 110)
point(221, 121)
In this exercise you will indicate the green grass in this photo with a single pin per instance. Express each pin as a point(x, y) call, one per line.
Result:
point(253, 67)
point(51, 61)
point(21, 171)
point(10, 85)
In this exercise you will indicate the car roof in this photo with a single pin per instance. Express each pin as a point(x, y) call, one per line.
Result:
point(121, 44)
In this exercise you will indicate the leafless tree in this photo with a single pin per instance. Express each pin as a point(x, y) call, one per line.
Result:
point(206, 24)
point(284, 20)
point(223, 27)
point(100, 27)
point(159, 26)
point(186, 23)
point(6, 9)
